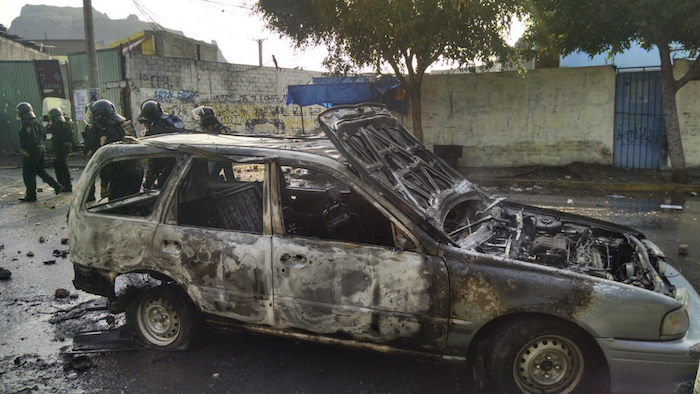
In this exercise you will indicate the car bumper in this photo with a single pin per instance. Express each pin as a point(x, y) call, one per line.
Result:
point(655, 366)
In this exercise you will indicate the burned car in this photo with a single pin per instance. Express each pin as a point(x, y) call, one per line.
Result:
point(365, 238)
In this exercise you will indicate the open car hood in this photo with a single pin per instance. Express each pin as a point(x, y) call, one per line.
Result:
point(386, 155)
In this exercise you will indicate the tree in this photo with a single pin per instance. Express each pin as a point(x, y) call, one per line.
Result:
point(407, 35)
point(612, 26)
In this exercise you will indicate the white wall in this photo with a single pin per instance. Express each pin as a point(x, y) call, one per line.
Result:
point(688, 103)
point(541, 117)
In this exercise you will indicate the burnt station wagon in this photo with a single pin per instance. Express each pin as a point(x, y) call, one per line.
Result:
point(365, 238)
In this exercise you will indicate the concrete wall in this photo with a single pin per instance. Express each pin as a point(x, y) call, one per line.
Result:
point(542, 117)
point(688, 102)
point(173, 45)
point(248, 99)
point(11, 50)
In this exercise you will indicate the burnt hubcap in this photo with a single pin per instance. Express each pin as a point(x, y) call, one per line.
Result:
point(548, 364)
point(159, 320)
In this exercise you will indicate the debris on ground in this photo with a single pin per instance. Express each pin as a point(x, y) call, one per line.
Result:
point(61, 293)
point(30, 254)
point(42, 240)
point(79, 363)
point(668, 206)
point(683, 249)
point(50, 262)
point(60, 253)
point(5, 273)
point(64, 241)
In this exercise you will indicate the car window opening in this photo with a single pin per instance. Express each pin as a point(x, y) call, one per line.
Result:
point(318, 205)
point(129, 187)
point(223, 196)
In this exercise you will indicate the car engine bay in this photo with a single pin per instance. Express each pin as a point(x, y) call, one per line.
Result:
point(557, 240)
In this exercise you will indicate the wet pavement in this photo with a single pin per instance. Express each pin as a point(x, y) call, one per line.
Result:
point(36, 328)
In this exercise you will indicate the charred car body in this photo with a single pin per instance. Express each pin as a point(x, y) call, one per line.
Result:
point(365, 238)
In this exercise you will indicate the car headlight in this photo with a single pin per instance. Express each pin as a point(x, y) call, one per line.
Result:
point(675, 324)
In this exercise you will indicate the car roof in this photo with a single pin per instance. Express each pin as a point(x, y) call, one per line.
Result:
point(226, 144)
point(311, 144)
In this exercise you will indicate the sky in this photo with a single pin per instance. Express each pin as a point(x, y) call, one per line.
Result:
point(231, 23)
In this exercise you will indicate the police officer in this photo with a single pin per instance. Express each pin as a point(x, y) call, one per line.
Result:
point(31, 140)
point(62, 145)
point(120, 178)
point(157, 122)
point(210, 124)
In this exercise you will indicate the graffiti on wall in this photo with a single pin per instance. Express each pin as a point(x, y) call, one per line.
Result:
point(243, 113)
point(158, 81)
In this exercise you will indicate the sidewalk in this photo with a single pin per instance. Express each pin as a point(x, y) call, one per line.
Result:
point(583, 177)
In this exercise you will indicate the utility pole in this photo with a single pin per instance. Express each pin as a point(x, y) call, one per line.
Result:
point(93, 79)
point(260, 41)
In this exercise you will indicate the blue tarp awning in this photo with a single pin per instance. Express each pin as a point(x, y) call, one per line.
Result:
point(333, 94)
point(330, 91)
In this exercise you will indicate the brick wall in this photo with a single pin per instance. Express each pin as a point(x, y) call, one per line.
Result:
point(248, 99)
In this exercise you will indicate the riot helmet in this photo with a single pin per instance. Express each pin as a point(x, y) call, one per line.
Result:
point(150, 111)
point(25, 111)
point(56, 116)
point(205, 116)
point(102, 113)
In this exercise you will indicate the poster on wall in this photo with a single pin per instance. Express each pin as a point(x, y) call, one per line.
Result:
point(80, 101)
point(83, 97)
point(50, 79)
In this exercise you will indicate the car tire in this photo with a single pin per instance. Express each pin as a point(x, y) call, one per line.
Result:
point(544, 356)
point(164, 317)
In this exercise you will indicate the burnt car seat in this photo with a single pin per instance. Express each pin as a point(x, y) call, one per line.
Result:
point(341, 224)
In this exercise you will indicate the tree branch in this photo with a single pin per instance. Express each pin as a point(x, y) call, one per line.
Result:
point(692, 72)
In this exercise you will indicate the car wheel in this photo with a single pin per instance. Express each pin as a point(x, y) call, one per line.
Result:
point(544, 356)
point(164, 318)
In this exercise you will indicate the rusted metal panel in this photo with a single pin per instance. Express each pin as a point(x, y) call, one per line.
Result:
point(18, 82)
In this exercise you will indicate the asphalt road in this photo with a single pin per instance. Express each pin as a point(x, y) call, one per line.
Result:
point(36, 329)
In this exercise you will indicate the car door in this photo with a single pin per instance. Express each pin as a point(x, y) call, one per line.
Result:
point(216, 238)
point(114, 233)
point(338, 271)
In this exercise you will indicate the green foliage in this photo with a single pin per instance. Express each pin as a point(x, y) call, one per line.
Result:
point(410, 35)
point(598, 26)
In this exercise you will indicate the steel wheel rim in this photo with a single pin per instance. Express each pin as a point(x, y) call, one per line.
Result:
point(548, 364)
point(159, 320)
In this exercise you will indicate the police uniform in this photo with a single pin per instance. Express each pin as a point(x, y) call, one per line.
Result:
point(120, 178)
point(31, 139)
point(62, 144)
point(159, 168)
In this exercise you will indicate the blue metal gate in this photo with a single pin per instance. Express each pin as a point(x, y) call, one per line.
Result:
point(640, 133)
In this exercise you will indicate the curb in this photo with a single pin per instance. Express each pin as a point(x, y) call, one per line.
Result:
point(589, 185)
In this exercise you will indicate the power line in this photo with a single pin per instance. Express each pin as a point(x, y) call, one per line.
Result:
point(243, 5)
